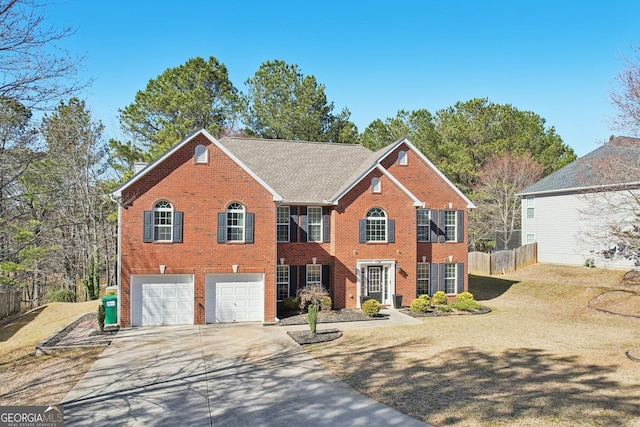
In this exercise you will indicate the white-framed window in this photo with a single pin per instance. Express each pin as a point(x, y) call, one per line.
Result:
point(530, 207)
point(314, 224)
point(162, 221)
point(282, 282)
point(376, 186)
point(423, 220)
point(376, 225)
point(201, 154)
point(235, 222)
point(450, 278)
point(450, 226)
point(402, 158)
point(531, 238)
point(422, 278)
point(282, 223)
point(314, 274)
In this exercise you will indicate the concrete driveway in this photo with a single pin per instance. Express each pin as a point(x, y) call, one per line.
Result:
point(217, 375)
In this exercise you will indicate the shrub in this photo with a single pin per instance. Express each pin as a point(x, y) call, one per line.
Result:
point(466, 305)
point(311, 294)
point(445, 308)
point(371, 307)
point(464, 296)
point(326, 303)
point(420, 305)
point(312, 317)
point(290, 304)
point(61, 295)
point(425, 296)
point(440, 298)
point(101, 316)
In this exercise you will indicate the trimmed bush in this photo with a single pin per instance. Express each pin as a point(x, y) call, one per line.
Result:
point(61, 295)
point(440, 298)
point(420, 305)
point(466, 305)
point(290, 304)
point(312, 317)
point(425, 296)
point(371, 307)
point(464, 296)
point(326, 304)
point(444, 308)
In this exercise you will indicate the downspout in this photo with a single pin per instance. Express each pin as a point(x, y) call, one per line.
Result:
point(119, 256)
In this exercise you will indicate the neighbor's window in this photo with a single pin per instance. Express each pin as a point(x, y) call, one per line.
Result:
point(450, 278)
point(531, 237)
point(235, 222)
point(450, 226)
point(314, 274)
point(314, 224)
point(282, 223)
point(376, 225)
point(282, 282)
point(423, 220)
point(162, 221)
point(530, 207)
point(422, 275)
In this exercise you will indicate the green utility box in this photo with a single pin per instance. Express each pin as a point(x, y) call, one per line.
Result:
point(110, 303)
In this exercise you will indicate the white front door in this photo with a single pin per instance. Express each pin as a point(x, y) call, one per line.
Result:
point(376, 280)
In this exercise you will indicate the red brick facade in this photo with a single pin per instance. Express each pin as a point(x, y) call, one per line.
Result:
point(202, 190)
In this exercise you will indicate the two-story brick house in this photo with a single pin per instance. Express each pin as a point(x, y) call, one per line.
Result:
point(221, 230)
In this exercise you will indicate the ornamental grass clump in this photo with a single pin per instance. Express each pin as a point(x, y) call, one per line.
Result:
point(371, 307)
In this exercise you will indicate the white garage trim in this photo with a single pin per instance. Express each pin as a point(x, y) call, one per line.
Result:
point(234, 297)
point(161, 299)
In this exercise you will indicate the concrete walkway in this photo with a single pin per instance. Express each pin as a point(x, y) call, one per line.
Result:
point(220, 375)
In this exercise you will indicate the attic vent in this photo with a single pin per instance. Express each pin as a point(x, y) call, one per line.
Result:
point(138, 166)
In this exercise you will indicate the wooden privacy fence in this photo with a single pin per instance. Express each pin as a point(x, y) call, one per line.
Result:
point(503, 262)
point(9, 300)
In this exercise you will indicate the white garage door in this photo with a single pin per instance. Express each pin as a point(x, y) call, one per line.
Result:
point(162, 299)
point(234, 298)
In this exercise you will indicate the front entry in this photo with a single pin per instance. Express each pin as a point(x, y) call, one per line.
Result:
point(376, 280)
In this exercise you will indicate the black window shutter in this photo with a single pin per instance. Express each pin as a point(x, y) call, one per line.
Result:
point(443, 215)
point(325, 276)
point(460, 226)
point(222, 227)
point(303, 223)
point(441, 277)
point(460, 277)
point(433, 223)
point(249, 228)
point(362, 230)
point(303, 276)
point(147, 229)
point(433, 278)
point(293, 224)
point(326, 224)
point(293, 280)
point(391, 229)
point(177, 226)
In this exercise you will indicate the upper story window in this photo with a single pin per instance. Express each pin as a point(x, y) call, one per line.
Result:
point(530, 206)
point(423, 220)
point(376, 227)
point(162, 224)
point(282, 223)
point(376, 186)
point(450, 226)
point(235, 224)
point(201, 154)
point(314, 224)
point(402, 158)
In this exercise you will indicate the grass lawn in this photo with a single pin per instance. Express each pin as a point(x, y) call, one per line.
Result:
point(542, 357)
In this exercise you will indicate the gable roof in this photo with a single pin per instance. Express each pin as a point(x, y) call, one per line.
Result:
point(593, 170)
point(300, 172)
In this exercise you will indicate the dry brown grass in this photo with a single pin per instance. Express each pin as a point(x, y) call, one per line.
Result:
point(542, 357)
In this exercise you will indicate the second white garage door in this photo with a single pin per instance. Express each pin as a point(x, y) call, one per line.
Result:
point(234, 298)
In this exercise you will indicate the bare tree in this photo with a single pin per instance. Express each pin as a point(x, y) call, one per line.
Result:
point(498, 205)
point(36, 70)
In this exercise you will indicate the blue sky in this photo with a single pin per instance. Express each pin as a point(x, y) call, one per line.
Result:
point(556, 58)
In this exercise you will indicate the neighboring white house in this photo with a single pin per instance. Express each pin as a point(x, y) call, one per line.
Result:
point(571, 212)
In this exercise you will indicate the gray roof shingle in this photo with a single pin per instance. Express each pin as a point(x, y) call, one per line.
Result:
point(616, 162)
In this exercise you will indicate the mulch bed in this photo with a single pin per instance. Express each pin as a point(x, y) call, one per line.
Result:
point(332, 316)
point(306, 337)
point(437, 313)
